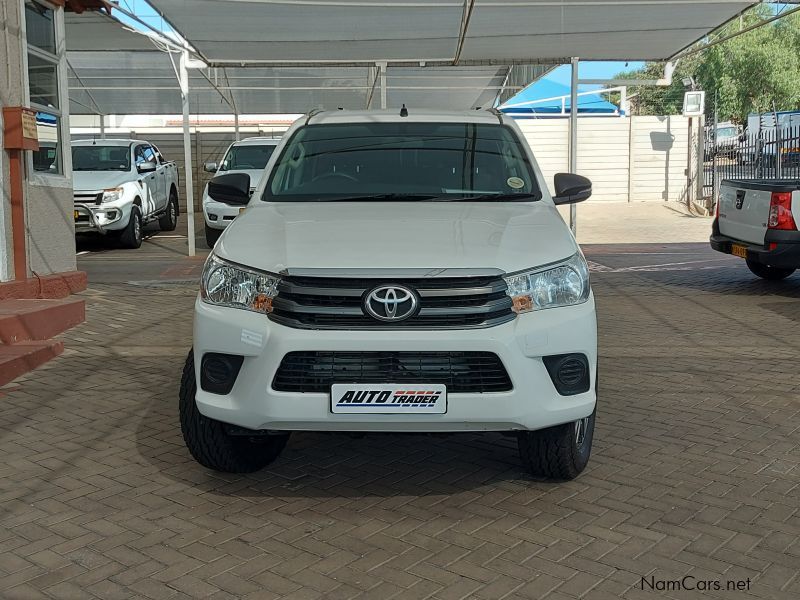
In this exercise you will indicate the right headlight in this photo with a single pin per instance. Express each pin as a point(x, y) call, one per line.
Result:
point(562, 284)
point(226, 284)
point(112, 194)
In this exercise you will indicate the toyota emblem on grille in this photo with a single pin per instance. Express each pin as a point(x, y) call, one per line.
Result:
point(391, 303)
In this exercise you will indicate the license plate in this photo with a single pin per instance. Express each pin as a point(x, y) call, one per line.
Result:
point(739, 250)
point(77, 215)
point(389, 398)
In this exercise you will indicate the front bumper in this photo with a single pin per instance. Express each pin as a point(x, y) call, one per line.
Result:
point(780, 249)
point(532, 404)
point(100, 218)
point(219, 215)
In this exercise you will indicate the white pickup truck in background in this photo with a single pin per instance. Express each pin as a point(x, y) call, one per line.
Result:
point(121, 185)
point(248, 156)
point(757, 220)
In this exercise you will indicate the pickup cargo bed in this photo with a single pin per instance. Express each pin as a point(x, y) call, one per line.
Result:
point(745, 204)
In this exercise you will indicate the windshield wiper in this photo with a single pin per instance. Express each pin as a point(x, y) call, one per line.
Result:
point(95, 169)
point(377, 197)
point(485, 197)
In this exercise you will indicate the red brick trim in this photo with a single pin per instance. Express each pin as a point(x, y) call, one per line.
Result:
point(55, 285)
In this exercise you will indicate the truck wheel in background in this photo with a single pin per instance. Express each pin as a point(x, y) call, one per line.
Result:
point(767, 272)
point(559, 452)
point(169, 221)
point(212, 235)
point(131, 236)
point(210, 444)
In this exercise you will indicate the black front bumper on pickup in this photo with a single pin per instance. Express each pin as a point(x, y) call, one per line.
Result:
point(780, 248)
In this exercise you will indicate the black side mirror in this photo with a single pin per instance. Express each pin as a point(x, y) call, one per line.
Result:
point(233, 188)
point(210, 167)
point(571, 188)
point(147, 167)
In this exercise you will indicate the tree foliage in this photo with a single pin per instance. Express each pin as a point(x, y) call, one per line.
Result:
point(746, 74)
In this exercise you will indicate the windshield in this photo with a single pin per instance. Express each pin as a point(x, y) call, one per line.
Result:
point(402, 161)
point(246, 158)
point(101, 158)
point(726, 132)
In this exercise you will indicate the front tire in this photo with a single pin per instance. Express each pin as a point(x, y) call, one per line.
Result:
point(210, 444)
point(559, 452)
point(212, 235)
point(169, 221)
point(767, 272)
point(131, 236)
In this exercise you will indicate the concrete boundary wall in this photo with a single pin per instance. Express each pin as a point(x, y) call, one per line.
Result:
point(635, 159)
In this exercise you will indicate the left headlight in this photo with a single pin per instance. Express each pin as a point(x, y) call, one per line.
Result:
point(112, 194)
point(562, 284)
point(226, 284)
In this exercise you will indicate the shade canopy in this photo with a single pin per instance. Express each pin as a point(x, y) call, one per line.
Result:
point(290, 56)
point(144, 83)
point(446, 31)
point(114, 70)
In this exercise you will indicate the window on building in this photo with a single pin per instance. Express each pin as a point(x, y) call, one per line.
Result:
point(43, 84)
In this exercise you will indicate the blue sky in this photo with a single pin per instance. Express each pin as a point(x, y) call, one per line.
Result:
point(560, 75)
point(592, 70)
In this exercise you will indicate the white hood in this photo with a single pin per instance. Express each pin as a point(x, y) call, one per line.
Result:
point(94, 181)
point(397, 235)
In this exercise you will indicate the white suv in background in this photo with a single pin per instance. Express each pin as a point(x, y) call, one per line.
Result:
point(247, 156)
point(395, 273)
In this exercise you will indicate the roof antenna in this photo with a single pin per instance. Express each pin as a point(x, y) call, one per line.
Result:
point(404, 111)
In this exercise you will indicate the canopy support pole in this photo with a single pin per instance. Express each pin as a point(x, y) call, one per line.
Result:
point(236, 124)
point(187, 152)
point(102, 127)
point(573, 137)
point(382, 67)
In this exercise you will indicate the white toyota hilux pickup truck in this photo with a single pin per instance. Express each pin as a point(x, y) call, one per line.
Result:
point(247, 156)
point(395, 272)
point(757, 220)
point(121, 185)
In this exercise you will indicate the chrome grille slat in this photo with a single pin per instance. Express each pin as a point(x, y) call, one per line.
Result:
point(307, 302)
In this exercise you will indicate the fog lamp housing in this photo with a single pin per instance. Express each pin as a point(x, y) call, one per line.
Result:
point(569, 372)
point(218, 372)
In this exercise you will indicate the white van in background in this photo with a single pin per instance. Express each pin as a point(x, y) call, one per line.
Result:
point(247, 156)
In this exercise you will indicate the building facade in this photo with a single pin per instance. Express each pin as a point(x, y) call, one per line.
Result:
point(35, 75)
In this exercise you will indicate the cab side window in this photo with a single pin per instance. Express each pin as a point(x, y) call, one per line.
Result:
point(158, 155)
point(138, 155)
point(144, 154)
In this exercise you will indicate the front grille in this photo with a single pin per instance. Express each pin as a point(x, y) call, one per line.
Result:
point(461, 372)
point(444, 303)
point(96, 198)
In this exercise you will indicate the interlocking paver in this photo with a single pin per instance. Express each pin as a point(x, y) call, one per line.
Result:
point(695, 469)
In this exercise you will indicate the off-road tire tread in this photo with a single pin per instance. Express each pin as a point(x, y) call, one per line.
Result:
point(551, 453)
point(208, 442)
point(127, 236)
point(165, 223)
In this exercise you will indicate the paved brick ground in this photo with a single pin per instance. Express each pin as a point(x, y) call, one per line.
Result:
point(695, 470)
